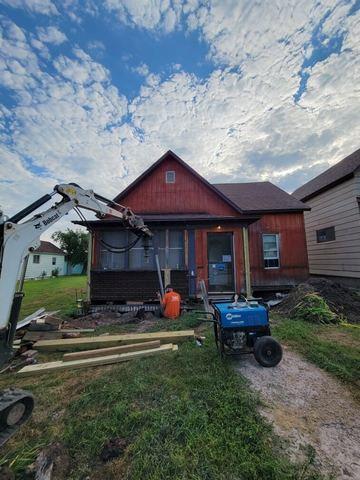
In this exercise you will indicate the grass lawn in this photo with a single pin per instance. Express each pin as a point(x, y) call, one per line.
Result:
point(52, 293)
point(186, 415)
point(335, 348)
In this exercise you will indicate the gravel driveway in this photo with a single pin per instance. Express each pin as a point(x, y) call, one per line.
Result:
point(307, 406)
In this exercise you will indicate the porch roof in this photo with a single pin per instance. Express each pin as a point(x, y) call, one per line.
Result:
point(194, 219)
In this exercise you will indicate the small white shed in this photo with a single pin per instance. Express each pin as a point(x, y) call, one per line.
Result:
point(45, 260)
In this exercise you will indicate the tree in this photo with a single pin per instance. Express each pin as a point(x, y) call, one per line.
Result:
point(75, 245)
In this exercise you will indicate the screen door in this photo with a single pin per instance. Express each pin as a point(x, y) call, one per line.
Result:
point(220, 262)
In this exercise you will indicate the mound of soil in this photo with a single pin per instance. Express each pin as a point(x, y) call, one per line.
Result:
point(341, 300)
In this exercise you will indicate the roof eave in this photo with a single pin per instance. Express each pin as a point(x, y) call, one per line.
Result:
point(326, 187)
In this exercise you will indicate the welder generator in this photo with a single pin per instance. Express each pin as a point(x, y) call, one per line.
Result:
point(243, 327)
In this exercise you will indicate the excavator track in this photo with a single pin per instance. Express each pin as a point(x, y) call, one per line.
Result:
point(16, 407)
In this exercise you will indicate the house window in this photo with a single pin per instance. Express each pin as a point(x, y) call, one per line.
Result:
point(170, 247)
point(54, 260)
point(170, 177)
point(325, 235)
point(36, 259)
point(168, 244)
point(110, 260)
point(137, 259)
point(271, 250)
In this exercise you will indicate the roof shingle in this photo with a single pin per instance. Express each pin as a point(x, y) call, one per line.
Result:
point(257, 197)
point(48, 247)
point(334, 175)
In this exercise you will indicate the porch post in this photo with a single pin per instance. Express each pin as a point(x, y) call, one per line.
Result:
point(88, 268)
point(245, 231)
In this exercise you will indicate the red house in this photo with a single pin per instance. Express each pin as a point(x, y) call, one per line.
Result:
point(243, 237)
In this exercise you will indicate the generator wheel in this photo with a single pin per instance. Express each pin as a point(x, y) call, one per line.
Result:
point(267, 351)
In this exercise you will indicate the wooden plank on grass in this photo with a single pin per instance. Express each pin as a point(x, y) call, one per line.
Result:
point(87, 343)
point(101, 352)
point(93, 362)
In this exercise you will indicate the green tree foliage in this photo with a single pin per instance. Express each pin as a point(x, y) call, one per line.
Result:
point(75, 245)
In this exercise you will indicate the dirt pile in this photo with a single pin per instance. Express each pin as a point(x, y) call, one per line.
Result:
point(342, 300)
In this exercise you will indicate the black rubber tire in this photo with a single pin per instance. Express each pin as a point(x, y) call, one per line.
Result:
point(267, 351)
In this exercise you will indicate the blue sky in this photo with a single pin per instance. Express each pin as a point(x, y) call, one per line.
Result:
point(94, 92)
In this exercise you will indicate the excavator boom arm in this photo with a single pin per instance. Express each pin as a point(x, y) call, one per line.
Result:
point(18, 239)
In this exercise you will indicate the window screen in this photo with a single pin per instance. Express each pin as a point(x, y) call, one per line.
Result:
point(109, 260)
point(271, 250)
point(325, 235)
point(36, 259)
point(137, 259)
point(176, 249)
point(170, 177)
point(170, 248)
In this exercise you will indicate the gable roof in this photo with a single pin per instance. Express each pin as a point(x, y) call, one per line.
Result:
point(258, 197)
point(171, 154)
point(48, 247)
point(334, 175)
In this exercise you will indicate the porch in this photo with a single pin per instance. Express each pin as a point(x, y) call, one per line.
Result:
point(213, 249)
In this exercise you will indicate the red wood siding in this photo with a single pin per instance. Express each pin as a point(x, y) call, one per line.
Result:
point(187, 195)
point(202, 255)
point(293, 253)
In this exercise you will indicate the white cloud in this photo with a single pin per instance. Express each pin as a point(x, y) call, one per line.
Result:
point(45, 7)
point(153, 15)
point(51, 34)
point(96, 47)
point(142, 70)
point(241, 123)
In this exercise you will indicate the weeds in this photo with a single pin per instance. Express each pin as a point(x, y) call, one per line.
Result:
point(314, 309)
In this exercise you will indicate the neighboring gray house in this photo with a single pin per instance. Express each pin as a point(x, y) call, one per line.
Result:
point(46, 258)
point(333, 223)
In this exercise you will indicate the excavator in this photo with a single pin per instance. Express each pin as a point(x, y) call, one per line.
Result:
point(19, 237)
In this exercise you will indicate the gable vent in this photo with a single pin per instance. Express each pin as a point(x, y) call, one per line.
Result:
point(170, 177)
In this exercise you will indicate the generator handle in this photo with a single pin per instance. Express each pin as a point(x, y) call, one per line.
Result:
point(206, 320)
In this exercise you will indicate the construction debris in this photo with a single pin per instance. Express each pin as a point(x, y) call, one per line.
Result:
point(112, 340)
point(93, 362)
point(100, 352)
point(27, 320)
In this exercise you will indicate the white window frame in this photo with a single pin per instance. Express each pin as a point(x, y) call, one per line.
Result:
point(172, 172)
point(277, 237)
point(36, 255)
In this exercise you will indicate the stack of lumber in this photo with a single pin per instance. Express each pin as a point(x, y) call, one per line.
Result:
point(105, 350)
point(42, 325)
point(86, 343)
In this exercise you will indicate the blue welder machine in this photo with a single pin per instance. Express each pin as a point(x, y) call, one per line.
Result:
point(243, 327)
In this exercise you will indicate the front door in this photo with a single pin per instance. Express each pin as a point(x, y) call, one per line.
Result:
point(220, 262)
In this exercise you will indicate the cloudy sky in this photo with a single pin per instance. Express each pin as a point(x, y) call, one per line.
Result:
point(93, 92)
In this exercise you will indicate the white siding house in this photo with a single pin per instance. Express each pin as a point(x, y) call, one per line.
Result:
point(333, 224)
point(47, 258)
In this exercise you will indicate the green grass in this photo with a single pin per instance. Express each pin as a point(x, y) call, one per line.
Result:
point(185, 416)
point(52, 293)
point(335, 348)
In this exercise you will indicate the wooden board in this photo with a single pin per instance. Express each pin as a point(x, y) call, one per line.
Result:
point(101, 352)
point(33, 336)
point(86, 343)
point(93, 362)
